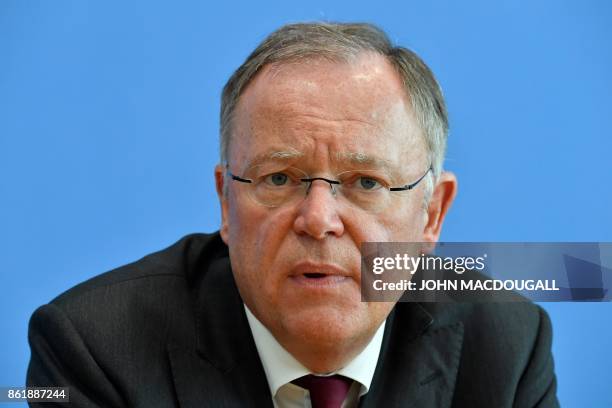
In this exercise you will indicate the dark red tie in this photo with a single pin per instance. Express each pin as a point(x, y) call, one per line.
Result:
point(325, 392)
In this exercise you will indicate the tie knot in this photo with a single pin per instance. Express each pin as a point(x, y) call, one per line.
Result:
point(325, 392)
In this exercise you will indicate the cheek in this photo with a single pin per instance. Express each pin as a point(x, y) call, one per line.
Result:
point(404, 225)
point(258, 240)
point(256, 232)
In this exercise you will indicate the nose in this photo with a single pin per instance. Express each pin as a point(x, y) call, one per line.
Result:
point(318, 213)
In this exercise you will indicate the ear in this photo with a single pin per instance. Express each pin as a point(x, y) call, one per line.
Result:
point(441, 200)
point(219, 183)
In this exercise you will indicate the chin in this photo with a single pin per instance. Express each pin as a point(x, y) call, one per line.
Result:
point(328, 326)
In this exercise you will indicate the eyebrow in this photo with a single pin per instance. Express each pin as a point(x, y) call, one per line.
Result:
point(276, 155)
point(361, 158)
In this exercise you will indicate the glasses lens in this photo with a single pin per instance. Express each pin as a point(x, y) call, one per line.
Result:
point(274, 186)
point(366, 189)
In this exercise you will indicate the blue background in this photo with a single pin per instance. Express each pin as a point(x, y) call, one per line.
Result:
point(109, 132)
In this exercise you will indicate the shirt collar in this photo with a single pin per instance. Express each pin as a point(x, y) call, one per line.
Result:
point(282, 368)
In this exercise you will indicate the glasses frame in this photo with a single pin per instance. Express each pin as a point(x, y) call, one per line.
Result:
point(310, 180)
point(332, 183)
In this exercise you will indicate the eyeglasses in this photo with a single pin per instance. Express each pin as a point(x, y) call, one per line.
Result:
point(272, 186)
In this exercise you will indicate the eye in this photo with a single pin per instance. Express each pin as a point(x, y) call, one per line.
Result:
point(277, 179)
point(363, 181)
point(368, 183)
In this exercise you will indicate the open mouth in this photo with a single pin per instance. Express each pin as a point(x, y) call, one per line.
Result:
point(315, 275)
point(319, 275)
point(320, 279)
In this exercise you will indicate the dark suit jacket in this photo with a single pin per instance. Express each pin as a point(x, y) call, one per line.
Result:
point(170, 330)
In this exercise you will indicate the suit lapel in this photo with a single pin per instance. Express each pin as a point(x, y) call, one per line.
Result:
point(418, 364)
point(222, 368)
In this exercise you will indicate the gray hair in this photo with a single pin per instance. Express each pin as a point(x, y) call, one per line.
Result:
point(342, 42)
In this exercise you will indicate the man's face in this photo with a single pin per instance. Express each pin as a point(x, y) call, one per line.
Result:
point(297, 266)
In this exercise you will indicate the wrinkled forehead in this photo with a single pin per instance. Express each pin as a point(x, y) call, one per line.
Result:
point(355, 112)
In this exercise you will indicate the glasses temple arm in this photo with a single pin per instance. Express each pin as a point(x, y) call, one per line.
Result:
point(413, 185)
point(234, 177)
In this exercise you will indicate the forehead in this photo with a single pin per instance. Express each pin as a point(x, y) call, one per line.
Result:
point(327, 111)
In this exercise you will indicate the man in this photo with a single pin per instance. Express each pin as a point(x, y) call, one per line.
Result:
point(330, 137)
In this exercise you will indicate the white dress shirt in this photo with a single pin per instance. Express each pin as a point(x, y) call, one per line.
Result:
point(281, 368)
